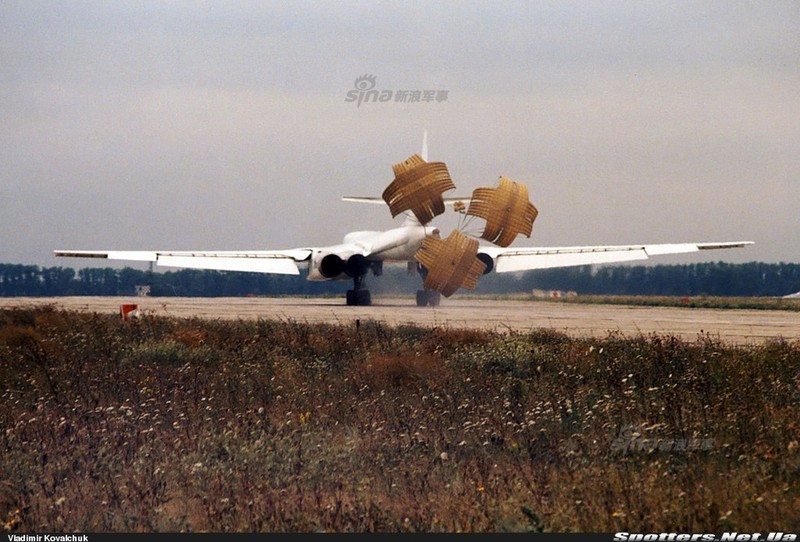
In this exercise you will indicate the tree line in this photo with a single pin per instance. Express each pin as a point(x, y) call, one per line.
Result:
point(716, 279)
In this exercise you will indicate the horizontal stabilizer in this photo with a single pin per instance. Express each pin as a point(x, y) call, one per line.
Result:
point(364, 199)
point(380, 201)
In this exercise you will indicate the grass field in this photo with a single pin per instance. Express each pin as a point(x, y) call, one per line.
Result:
point(170, 424)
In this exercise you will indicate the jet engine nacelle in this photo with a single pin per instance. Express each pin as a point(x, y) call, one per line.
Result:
point(488, 260)
point(333, 266)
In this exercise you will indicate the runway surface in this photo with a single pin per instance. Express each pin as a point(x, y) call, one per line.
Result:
point(739, 326)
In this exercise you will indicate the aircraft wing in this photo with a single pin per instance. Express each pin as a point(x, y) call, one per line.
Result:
point(262, 261)
point(522, 259)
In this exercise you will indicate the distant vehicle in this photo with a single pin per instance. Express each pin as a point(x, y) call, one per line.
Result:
point(445, 265)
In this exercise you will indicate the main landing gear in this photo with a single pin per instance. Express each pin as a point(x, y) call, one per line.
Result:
point(359, 296)
point(424, 297)
point(428, 297)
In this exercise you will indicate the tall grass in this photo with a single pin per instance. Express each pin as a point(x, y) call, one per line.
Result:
point(164, 424)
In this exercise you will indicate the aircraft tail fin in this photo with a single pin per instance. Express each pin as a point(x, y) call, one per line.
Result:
point(410, 218)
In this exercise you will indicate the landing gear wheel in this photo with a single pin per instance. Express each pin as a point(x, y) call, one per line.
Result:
point(359, 298)
point(428, 297)
point(359, 295)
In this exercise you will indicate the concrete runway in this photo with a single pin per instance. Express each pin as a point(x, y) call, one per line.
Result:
point(740, 326)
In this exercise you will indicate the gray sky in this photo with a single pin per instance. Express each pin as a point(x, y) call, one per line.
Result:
point(223, 125)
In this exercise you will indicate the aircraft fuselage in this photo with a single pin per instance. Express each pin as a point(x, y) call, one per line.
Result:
point(360, 249)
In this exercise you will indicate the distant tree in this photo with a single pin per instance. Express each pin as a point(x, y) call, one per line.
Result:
point(57, 281)
point(715, 278)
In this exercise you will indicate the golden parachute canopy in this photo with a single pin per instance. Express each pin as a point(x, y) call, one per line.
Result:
point(418, 186)
point(452, 263)
point(506, 210)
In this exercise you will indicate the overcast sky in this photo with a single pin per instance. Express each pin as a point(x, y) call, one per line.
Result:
point(224, 125)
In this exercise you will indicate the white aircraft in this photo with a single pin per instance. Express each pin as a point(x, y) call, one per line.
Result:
point(362, 252)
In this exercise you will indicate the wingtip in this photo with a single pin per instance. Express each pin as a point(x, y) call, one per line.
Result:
point(730, 244)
